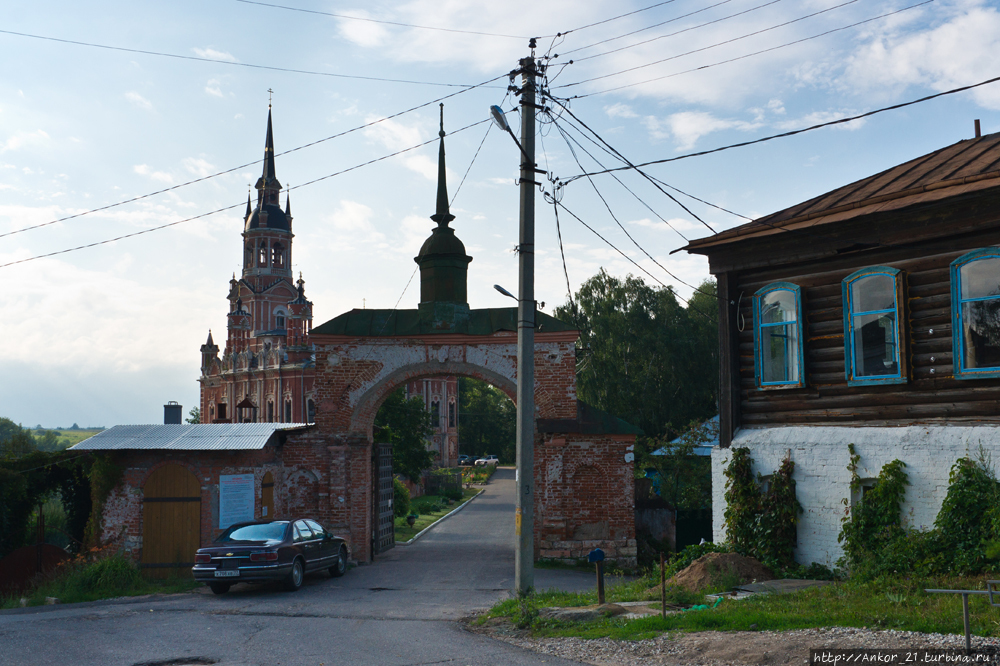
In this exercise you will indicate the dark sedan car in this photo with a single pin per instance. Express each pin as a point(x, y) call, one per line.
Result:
point(282, 550)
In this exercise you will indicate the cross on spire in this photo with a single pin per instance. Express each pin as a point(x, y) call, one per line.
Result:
point(269, 94)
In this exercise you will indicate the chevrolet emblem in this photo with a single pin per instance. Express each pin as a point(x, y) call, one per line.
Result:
point(229, 554)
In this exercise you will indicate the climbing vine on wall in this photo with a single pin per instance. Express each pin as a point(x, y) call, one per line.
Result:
point(105, 475)
point(761, 524)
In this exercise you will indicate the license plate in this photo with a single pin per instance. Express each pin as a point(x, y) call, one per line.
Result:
point(227, 573)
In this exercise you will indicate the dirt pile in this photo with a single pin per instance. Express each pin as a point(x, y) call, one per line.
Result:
point(716, 569)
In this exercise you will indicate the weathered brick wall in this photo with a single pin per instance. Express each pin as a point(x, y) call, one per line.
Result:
point(585, 497)
point(822, 481)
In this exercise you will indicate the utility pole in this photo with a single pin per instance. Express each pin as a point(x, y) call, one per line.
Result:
point(524, 560)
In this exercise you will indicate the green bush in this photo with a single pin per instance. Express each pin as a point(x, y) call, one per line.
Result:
point(454, 494)
point(400, 499)
point(425, 507)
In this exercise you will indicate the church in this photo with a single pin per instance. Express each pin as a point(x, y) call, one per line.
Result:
point(267, 369)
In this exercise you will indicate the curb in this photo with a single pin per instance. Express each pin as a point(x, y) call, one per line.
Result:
point(440, 520)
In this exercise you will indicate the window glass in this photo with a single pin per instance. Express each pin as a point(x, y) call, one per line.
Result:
point(877, 292)
point(875, 345)
point(872, 335)
point(778, 336)
point(316, 528)
point(981, 279)
point(777, 306)
point(981, 331)
point(254, 532)
point(302, 531)
point(778, 346)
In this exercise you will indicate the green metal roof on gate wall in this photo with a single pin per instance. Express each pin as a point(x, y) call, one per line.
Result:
point(391, 323)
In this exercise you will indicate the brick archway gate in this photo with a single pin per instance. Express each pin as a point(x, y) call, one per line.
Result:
point(355, 373)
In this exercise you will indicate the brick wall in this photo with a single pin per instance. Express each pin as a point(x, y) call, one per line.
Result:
point(822, 481)
point(584, 497)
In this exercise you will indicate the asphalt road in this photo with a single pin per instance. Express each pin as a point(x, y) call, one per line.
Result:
point(401, 610)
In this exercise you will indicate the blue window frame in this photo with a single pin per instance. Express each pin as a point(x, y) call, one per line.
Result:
point(975, 314)
point(777, 336)
point(873, 343)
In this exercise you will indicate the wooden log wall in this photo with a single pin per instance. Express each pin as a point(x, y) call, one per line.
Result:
point(931, 395)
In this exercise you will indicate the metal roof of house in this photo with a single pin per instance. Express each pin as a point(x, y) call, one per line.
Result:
point(187, 437)
point(969, 165)
point(703, 449)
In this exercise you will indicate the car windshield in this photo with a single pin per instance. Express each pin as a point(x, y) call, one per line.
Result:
point(254, 532)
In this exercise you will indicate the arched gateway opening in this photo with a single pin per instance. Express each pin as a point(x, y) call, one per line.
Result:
point(363, 355)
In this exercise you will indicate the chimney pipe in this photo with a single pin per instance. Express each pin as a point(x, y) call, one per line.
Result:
point(172, 413)
point(978, 131)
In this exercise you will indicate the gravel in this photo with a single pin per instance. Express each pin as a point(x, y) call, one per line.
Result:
point(714, 648)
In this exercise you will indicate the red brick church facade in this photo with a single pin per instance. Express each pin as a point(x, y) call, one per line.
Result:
point(266, 371)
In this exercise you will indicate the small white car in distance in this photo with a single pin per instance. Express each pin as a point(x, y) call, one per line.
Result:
point(487, 460)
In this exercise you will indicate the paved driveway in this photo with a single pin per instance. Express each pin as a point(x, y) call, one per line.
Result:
point(398, 611)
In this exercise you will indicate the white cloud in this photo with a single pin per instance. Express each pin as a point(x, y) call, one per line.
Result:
point(138, 100)
point(819, 117)
point(687, 127)
point(212, 54)
point(22, 139)
point(198, 166)
point(214, 88)
point(362, 33)
point(396, 136)
point(144, 170)
point(620, 111)
point(945, 56)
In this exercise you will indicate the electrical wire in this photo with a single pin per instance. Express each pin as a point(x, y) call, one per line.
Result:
point(615, 218)
point(371, 20)
point(717, 44)
point(639, 171)
point(615, 18)
point(632, 261)
point(249, 164)
point(57, 462)
point(792, 132)
point(225, 208)
point(694, 27)
point(462, 182)
point(755, 53)
point(227, 62)
point(648, 27)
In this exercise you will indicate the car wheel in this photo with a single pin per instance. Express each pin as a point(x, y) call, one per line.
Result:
point(219, 588)
point(294, 579)
point(340, 568)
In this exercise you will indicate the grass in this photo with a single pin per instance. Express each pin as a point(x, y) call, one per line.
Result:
point(404, 532)
point(899, 604)
point(107, 578)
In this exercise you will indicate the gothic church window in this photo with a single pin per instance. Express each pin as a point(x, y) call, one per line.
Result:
point(451, 414)
point(277, 255)
point(975, 298)
point(435, 414)
point(262, 255)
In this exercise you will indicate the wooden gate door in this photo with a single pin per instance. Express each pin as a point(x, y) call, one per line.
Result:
point(267, 497)
point(385, 537)
point(171, 522)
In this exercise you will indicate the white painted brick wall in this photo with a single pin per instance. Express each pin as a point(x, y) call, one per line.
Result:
point(822, 481)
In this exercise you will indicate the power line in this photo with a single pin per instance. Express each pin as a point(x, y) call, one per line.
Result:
point(750, 55)
point(632, 261)
point(694, 27)
point(639, 171)
point(654, 178)
point(225, 208)
point(648, 27)
point(231, 63)
point(615, 18)
point(395, 23)
point(615, 218)
point(462, 182)
point(712, 46)
point(791, 133)
point(249, 164)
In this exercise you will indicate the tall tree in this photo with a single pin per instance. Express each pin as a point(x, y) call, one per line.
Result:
point(15, 441)
point(487, 420)
point(194, 416)
point(407, 425)
point(644, 357)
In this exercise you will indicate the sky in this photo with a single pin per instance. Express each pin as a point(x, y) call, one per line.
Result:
point(103, 103)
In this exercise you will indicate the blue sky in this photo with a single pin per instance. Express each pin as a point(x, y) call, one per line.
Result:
point(108, 334)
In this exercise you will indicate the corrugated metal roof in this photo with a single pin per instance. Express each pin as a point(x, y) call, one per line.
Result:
point(968, 164)
point(186, 437)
